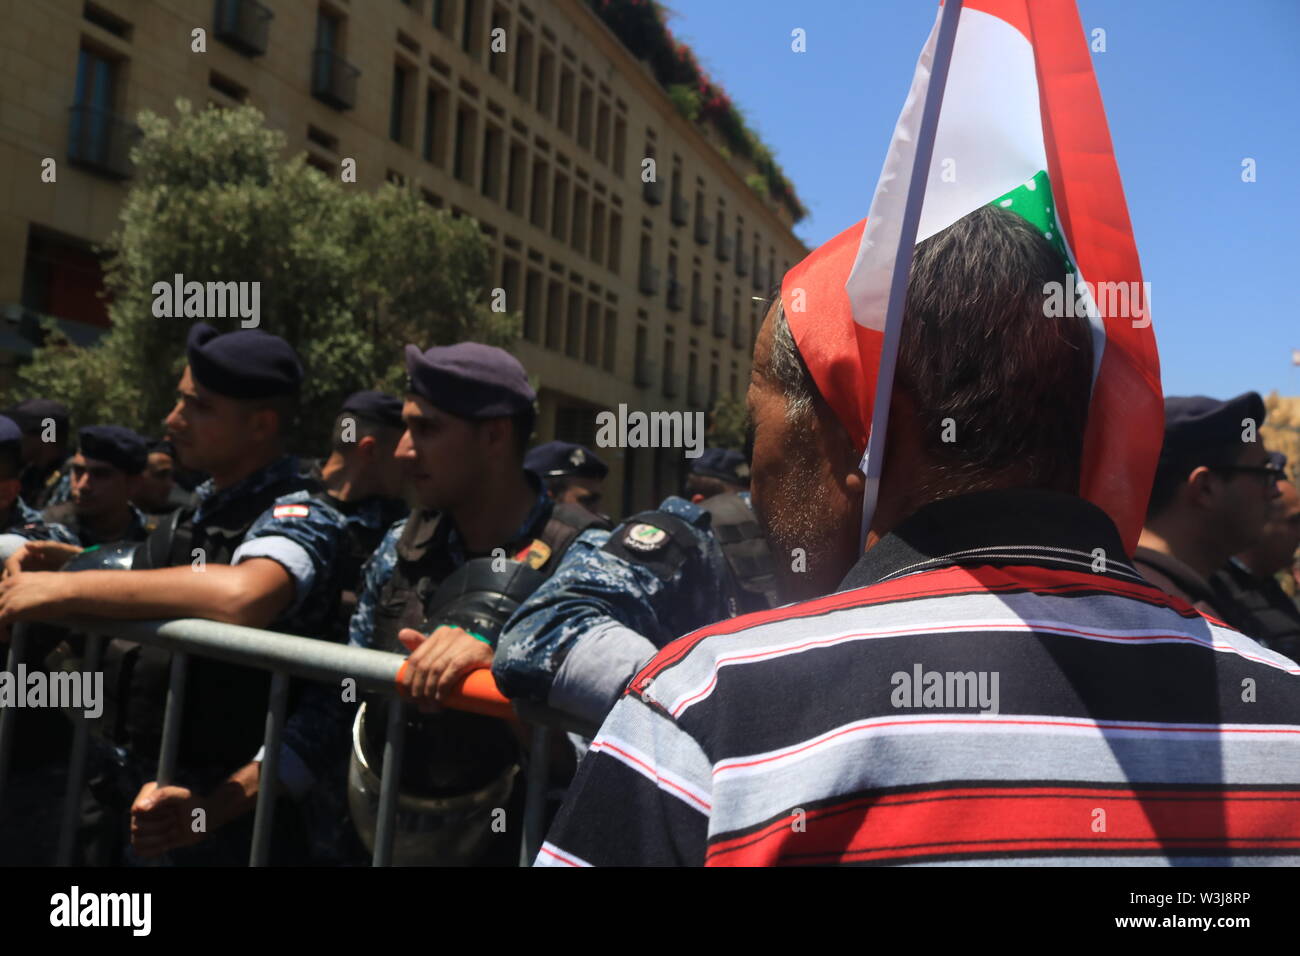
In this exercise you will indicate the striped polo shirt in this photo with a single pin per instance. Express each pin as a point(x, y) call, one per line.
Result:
point(993, 684)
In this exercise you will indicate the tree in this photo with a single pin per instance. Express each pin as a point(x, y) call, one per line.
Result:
point(346, 276)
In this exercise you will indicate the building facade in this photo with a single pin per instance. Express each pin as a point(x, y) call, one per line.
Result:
point(527, 115)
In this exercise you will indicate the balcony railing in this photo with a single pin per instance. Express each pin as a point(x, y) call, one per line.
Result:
point(680, 211)
point(101, 141)
point(649, 279)
point(703, 230)
point(653, 191)
point(242, 24)
point(725, 244)
point(333, 79)
point(699, 311)
point(676, 295)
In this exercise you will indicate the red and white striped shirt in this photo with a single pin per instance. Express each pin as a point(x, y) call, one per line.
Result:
point(996, 685)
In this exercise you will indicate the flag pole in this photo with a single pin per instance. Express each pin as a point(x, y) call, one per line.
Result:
point(874, 456)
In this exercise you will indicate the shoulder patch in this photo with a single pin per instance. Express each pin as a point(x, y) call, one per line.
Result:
point(290, 511)
point(644, 537)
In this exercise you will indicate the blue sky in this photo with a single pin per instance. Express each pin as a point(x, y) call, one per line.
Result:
point(1191, 88)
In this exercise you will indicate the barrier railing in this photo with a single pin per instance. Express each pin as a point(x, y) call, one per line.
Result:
point(285, 656)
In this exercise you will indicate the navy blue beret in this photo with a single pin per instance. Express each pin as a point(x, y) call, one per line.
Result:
point(120, 447)
point(469, 379)
point(724, 464)
point(1277, 460)
point(162, 447)
point(375, 406)
point(30, 415)
point(9, 430)
point(1199, 425)
point(245, 364)
point(556, 458)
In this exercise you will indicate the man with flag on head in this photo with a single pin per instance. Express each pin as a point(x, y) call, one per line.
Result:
point(992, 670)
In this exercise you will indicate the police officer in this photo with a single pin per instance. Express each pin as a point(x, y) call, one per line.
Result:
point(620, 596)
point(18, 522)
point(441, 583)
point(267, 547)
point(159, 494)
point(718, 471)
point(105, 476)
point(364, 479)
point(572, 473)
point(44, 424)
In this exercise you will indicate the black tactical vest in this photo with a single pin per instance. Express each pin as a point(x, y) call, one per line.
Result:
point(224, 713)
point(748, 557)
point(453, 752)
point(66, 515)
point(358, 545)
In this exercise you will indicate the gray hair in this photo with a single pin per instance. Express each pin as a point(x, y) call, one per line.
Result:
point(787, 369)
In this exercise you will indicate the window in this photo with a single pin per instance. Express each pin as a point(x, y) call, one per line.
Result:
point(546, 83)
point(573, 331)
point(615, 243)
point(602, 133)
point(533, 306)
point(516, 178)
point(584, 117)
point(610, 339)
point(620, 144)
point(580, 220)
point(540, 179)
point(554, 319)
point(499, 63)
point(524, 66)
point(97, 137)
point(468, 27)
point(566, 100)
point(466, 124)
point(591, 354)
point(493, 147)
point(397, 106)
point(560, 208)
point(434, 145)
point(598, 231)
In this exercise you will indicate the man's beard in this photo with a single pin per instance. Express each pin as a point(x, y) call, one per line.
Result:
point(800, 516)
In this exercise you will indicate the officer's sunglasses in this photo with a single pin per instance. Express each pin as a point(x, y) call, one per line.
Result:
point(1270, 473)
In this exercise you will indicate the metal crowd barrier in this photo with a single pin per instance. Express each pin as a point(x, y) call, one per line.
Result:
point(285, 656)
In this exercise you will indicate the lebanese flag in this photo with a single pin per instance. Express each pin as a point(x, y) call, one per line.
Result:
point(1022, 126)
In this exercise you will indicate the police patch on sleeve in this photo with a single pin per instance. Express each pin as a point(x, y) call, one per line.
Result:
point(290, 511)
point(644, 537)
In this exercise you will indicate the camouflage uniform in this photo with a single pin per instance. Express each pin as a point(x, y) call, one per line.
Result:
point(26, 522)
point(616, 599)
point(65, 515)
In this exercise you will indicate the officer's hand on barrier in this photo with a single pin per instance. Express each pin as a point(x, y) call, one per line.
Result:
point(29, 597)
point(439, 663)
point(41, 556)
point(162, 819)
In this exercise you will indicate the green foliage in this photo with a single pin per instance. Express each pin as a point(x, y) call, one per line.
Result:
point(686, 99)
point(347, 276)
point(642, 27)
point(728, 423)
point(758, 183)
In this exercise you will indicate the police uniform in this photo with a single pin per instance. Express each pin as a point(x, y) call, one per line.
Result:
point(42, 486)
point(620, 596)
point(270, 513)
point(368, 519)
point(125, 451)
point(22, 522)
point(422, 576)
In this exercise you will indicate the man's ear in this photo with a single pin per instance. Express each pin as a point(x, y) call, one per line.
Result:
point(367, 447)
point(1201, 485)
